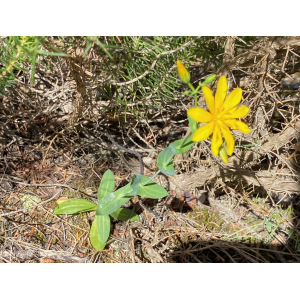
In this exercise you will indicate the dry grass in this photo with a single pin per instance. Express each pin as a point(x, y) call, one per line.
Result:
point(52, 147)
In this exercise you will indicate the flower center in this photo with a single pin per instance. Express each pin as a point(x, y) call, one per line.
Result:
point(217, 117)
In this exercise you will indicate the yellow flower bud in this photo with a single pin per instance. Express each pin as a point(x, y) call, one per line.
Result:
point(183, 72)
point(223, 154)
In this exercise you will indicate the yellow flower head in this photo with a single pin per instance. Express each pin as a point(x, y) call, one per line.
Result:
point(221, 116)
point(183, 72)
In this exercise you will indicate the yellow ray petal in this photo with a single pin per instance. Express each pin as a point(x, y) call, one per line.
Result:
point(203, 132)
point(216, 141)
point(209, 98)
point(237, 112)
point(230, 143)
point(237, 125)
point(199, 114)
point(220, 93)
point(233, 99)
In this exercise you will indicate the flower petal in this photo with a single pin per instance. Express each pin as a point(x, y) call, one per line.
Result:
point(203, 132)
point(229, 139)
point(233, 99)
point(237, 112)
point(199, 114)
point(220, 93)
point(237, 125)
point(216, 141)
point(209, 98)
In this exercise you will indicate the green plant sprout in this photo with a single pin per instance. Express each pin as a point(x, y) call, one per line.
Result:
point(110, 201)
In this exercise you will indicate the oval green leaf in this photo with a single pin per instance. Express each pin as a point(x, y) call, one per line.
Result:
point(107, 184)
point(103, 227)
point(124, 214)
point(181, 146)
point(135, 183)
point(192, 124)
point(151, 189)
point(124, 194)
point(115, 200)
point(94, 237)
point(164, 162)
point(74, 206)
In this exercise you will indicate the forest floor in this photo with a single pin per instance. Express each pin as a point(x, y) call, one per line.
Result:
point(246, 211)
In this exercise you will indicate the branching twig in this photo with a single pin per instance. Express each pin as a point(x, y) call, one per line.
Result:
point(127, 150)
point(152, 66)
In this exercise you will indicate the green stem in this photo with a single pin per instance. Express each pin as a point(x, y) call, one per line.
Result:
point(170, 158)
point(194, 90)
point(152, 177)
point(183, 142)
point(143, 183)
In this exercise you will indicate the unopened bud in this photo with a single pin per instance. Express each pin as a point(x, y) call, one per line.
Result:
point(210, 79)
point(183, 72)
point(223, 154)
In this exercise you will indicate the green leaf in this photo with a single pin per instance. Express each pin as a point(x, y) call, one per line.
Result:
point(269, 226)
point(103, 46)
point(182, 145)
point(103, 227)
point(107, 184)
point(94, 237)
point(74, 206)
point(124, 194)
point(108, 204)
point(88, 46)
point(111, 202)
point(164, 162)
point(193, 125)
point(135, 183)
point(124, 214)
point(151, 189)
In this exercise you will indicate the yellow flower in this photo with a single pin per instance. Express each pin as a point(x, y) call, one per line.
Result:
point(221, 115)
point(183, 72)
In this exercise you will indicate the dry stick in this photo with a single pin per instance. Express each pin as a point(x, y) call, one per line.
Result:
point(48, 148)
point(199, 249)
point(46, 185)
point(25, 209)
point(50, 185)
point(141, 139)
point(9, 262)
point(127, 150)
point(57, 255)
point(153, 64)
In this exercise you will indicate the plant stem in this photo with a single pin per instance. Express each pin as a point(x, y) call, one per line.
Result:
point(151, 177)
point(183, 142)
point(194, 90)
point(143, 183)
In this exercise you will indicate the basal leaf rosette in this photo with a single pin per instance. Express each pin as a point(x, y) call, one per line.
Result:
point(222, 115)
